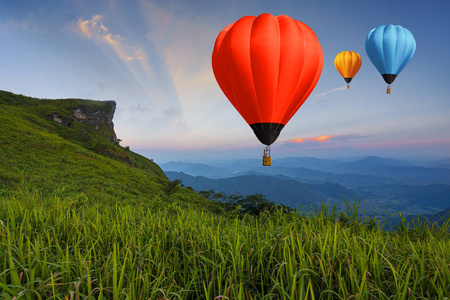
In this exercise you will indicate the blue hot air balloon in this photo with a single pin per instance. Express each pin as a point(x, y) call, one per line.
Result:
point(390, 48)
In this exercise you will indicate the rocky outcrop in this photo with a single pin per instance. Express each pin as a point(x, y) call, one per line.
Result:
point(97, 118)
point(55, 117)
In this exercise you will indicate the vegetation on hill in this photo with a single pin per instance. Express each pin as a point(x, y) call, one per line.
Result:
point(76, 160)
point(83, 218)
point(58, 248)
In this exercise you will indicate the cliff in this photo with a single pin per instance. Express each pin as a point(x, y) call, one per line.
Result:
point(67, 149)
point(87, 123)
point(98, 117)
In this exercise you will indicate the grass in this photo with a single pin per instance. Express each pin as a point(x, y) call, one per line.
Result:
point(25, 129)
point(57, 248)
point(38, 153)
point(79, 222)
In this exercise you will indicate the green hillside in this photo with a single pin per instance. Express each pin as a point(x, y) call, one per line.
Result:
point(45, 147)
point(83, 218)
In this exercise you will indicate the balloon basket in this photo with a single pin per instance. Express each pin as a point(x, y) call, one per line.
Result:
point(267, 159)
point(388, 89)
point(348, 85)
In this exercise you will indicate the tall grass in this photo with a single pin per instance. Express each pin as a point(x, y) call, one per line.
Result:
point(56, 248)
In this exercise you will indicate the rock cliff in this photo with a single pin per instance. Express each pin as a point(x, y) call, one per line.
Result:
point(99, 117)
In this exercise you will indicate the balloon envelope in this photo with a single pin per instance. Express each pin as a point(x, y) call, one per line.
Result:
point(390, 48)
point(267, 67)
point(348, 64)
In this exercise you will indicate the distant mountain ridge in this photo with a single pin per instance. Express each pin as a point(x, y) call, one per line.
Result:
point(375, 162)
point(381, 183)
point(386, 170)
point(196, 169)
point(281, 191)
point(442, 163)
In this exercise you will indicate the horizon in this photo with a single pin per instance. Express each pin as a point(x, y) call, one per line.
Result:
point(154, 59)
point(417, 161)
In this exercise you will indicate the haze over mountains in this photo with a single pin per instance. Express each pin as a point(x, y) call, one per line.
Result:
point(383, 185)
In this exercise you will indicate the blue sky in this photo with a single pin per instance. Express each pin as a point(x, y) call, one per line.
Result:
point(154, 59)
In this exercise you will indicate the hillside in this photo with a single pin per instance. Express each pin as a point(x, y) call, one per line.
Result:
point(84, 218)
point(69, 147)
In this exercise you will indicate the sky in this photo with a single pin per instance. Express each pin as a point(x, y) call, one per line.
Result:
point(153, 57)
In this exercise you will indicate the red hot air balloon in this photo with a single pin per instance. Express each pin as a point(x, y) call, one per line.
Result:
point(267, 67)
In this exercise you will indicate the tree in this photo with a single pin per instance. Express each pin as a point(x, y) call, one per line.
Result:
point(255, 204)
point(171, 187)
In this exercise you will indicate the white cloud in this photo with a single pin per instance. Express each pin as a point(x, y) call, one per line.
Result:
point(127, 51)
point(331, 91)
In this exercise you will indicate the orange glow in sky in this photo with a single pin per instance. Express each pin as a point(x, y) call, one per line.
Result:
point(298, 140)
point(321, 139)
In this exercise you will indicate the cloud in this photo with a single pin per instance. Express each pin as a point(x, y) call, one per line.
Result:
point(324, 141)
point(319, 139)
point(89, 28)
point(95, 29)
point(331, 91)
point(297, 140)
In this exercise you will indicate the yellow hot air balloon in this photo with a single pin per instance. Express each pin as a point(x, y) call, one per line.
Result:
point(348, 64)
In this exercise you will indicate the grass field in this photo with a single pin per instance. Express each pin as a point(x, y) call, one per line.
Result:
point(59, 248)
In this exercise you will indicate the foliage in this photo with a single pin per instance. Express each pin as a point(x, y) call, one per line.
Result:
point(75, 161)
point(66, 248)
point(239, 205)
point(23, 117)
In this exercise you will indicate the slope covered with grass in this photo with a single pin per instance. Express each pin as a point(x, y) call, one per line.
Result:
point(55, 248)
point(76, 160)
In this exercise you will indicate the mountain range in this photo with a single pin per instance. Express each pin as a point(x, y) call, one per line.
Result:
point(381, 185)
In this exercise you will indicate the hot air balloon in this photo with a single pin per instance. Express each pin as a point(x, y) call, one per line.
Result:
point(348, 64)
point(267, 66)
point(390, 48)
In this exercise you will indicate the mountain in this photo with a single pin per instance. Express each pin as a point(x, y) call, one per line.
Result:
point(442, 163)
point(69, 147)
point(196, 169)
point(359, 172)
point(314, 176)
point(383, 185)
point(279, 190)
point(309, 163)
point(433, 195)
point(440, 217)
point(415, 175)
point(371, 162)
